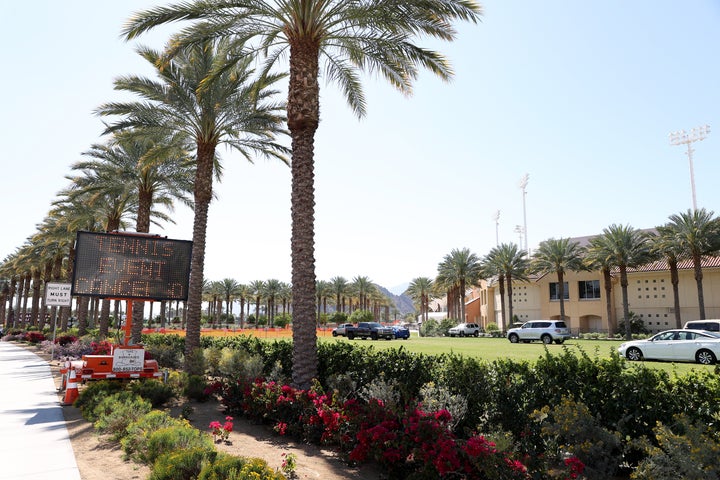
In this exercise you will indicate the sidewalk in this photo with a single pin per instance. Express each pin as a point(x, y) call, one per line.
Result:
point(34, 443)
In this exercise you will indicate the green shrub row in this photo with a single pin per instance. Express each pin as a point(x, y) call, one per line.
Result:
point(629, 401)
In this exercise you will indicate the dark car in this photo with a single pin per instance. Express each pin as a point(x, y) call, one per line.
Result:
point(401, 332)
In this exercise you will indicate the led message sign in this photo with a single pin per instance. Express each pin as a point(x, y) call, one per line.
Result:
point(133, 266)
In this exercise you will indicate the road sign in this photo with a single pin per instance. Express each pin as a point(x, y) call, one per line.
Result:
point(58, 295)
point(129, 265)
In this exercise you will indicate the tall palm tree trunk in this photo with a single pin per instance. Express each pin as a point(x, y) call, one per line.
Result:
point(607, 281)
point(35, 306)
point(626, 304)
point(675, 281)
point(510, 300)
point(699, 280)
point(203, 195)
point(501, 281)
point(303, 111)
point(561, 293)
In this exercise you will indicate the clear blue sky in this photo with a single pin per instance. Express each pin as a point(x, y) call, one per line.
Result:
point(579, 95)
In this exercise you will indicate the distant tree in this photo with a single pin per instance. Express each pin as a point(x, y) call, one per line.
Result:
point(419, 290)
point(698, 234)
point(458, 270)
point(624, 247)
point(509, 263)
point(665, 245)
point(558, 256)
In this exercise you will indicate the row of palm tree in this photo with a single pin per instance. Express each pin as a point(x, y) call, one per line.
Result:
point(361, 293)
point(345, 38)
point(208, 95)
point(691, 235)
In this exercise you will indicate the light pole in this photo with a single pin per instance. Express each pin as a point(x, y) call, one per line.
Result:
point(520, 230)
point(496, 217)
point(523, 186)
point(681, 137)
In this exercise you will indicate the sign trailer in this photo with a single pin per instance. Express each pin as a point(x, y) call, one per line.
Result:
point(126, 266)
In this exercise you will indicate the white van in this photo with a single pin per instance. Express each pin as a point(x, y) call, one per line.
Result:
point(711, 325)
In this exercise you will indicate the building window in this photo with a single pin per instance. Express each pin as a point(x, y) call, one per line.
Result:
point(555, 291)
point(589, 289)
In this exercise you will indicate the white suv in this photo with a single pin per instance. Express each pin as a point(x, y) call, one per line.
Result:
point(547, 331)
point(465, 330)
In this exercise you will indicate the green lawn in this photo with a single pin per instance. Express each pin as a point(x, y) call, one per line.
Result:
point(496, 348)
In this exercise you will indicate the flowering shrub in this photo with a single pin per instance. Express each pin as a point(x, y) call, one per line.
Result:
point(289, 464)
point(74, 350)
point(65, 340)
point(34, 337)
point(421, 443)
point(102, 347)
point(409, 442)
point(221, 431)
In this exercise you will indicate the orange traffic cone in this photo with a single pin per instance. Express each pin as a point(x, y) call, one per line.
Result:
point(71, 392)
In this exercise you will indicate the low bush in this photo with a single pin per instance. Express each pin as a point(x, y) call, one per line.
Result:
point(176, 437)
point(167, 356)
point(184, 464)
point(116, 412)
point(196, 388)
point(682, 450)
point(155, 391)
point(92, 394)
point(34, 337)
point(230, 467)
point(138, 432)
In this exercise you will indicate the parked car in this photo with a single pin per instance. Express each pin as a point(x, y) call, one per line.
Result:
point(371, 330)
point(340, 329)
point(709, 325)
point(465, 330)
point(401, 332)
point(547, 331)
point(685, 345)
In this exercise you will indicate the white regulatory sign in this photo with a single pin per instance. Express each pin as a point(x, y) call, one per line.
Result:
point(128, 360)
point(58, 295)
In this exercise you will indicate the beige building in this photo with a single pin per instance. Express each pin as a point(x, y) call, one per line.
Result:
point(650, 296)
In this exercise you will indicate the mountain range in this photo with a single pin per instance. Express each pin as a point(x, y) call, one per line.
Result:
point(403, 303)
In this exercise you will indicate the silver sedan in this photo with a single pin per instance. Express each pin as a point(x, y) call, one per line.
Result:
point(675, 345)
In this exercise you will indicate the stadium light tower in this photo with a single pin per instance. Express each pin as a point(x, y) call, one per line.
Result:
point(681, 137)
point(520, 230)
point(496, 217)
point(523, 186)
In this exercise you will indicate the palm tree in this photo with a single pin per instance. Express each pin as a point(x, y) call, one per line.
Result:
point(257, 288)
point(624, 247)
point(323, 290)
point(112, 200)
point(211, 100)
point(340, 289)
point(286, 296)
point(665, 245)
point(598, 257)
point(508, 262)
point(152, 167)
point(243, 293)
point(363, 288)
point(230, 290)
point(458, 270)
point(558, 256)
point(350, 36)
point(419, 290)
point(271, 292)
point(697, 232)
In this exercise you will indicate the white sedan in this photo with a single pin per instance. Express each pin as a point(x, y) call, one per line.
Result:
point(676, 345)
